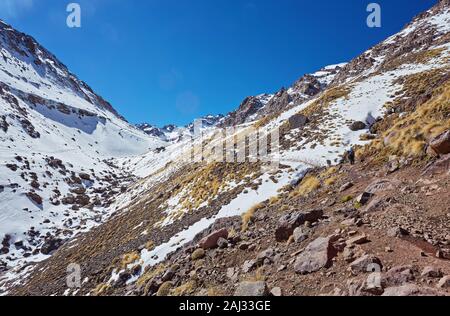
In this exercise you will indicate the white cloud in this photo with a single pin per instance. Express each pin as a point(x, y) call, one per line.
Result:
point(13, 8)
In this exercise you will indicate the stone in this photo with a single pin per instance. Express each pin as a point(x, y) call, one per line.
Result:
point(252, 289)
point(276, 291)
point(317, 255)
point(298, 121)
point(367, 263)
point(210, 241)
point(345, 187)
point(301, 234)
point(85, 176)
point(248, 266)
point(36, 198)
point(397, 276)
point(358, 240)
point(51, 245)
point(397, 232)
point(267, 254)
point(364, 198)
point(222, 243)
point(411, 290)
point(441, 143)
point(358, 126)
point(431, 272)
point(444, 283)
point(288, 223)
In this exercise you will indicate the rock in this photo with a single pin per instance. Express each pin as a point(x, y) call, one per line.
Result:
point(85, 176)
point(411, 290)
point(78, 190)
point(397, 276)
point(222, 243)
point(36, 198)
point(316, 256)
point(249, 289)
point(198, 254)
point(375, 205)
point(358, 240)
point(301, 234)
point(345, 187)
point(364, 198)
point(431, 272)
point(367, 263)
point(397, 232)
point(288, 223)
point(441, 143)
point(122, 280)
point(276, 291)
point(298, 121)
point(170, 273)
point(357, 126)
point(210, 241)
point(164, 289)
point(444, 283)
point(51, 245)
point(267, 254)
point(440, 166)
point(248, 266)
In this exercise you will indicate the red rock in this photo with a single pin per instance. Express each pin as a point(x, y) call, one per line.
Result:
point(441, 143)
point(316, 256)
point(210, 241)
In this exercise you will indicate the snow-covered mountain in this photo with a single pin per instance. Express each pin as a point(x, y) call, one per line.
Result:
point(56, 139)
point(172, 133)
point(83, 160)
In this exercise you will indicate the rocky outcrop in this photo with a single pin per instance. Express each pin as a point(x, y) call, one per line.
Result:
point(288, 223)
point(316, 256)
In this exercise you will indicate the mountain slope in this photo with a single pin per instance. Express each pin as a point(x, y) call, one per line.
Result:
point(56, 139)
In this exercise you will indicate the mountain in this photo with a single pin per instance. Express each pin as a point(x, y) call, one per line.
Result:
point(171, 133)
point(57, 137)
point(298, 221)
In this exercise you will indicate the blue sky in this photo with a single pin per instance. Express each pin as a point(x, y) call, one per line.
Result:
point(170, 61)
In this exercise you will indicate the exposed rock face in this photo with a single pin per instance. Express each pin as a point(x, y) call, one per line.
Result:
point(211, 240)
point(412, 290)
point(441, 144)
point(290, 222)
point(316, 256)
point(248, 108)
point(298, 121)
point(358, 126)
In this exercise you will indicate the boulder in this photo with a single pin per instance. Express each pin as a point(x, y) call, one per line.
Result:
point(288, 223)
point(364, 197)
point(298, 121)
point(444, 283)
point(357, 126)
point(431, 272)
point(249, 289)
point(301, 234)
point(316, 256)
point(36, 198)
point(397, 276)
point(211, 240)
point(411, 290)
point(367, 263)
point(51, 245)
point(441, 143)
